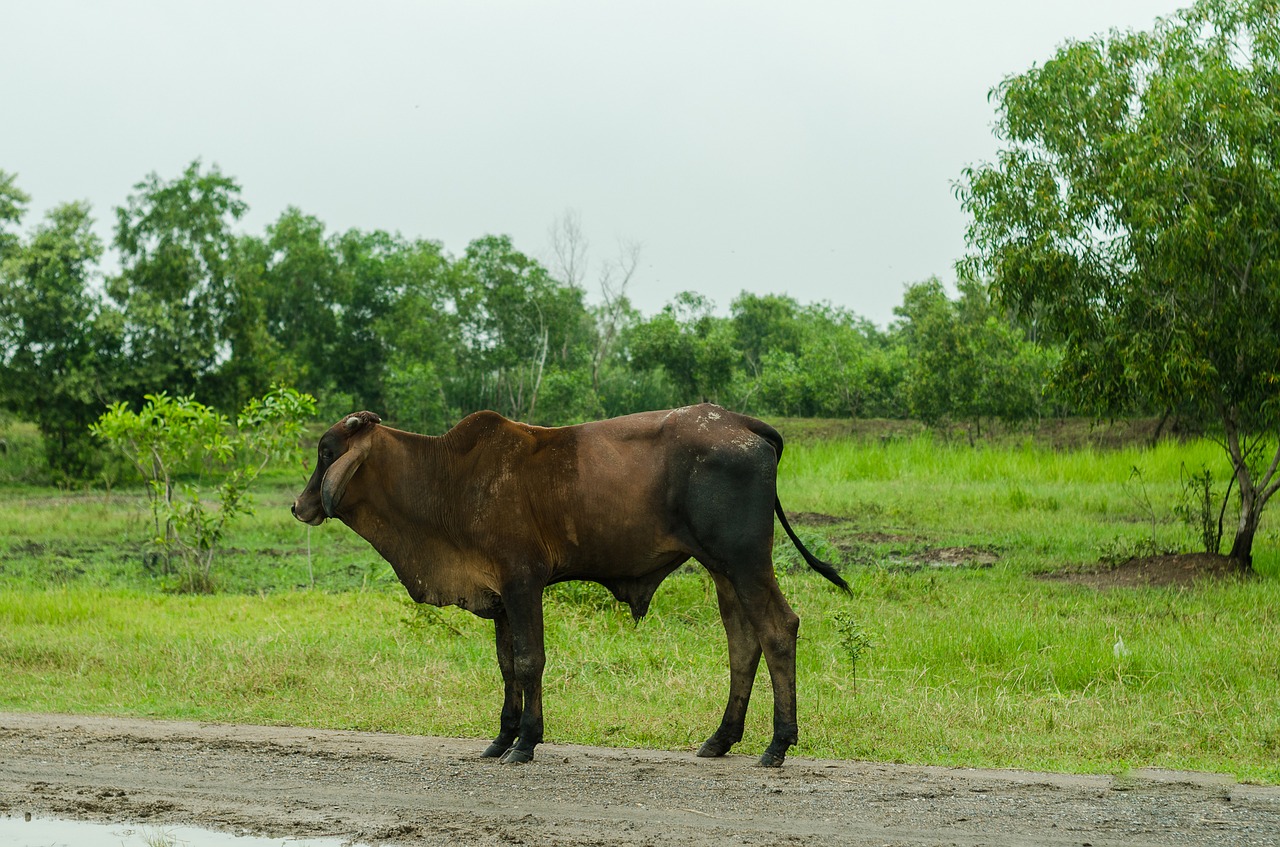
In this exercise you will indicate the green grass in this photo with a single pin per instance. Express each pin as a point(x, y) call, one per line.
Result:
point(980, 666)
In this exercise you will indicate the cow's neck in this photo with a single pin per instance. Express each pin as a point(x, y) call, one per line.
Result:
point(400, 514)
point(411, 519)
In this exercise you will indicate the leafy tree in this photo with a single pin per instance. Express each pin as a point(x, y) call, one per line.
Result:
point(170, 434)
point(13, 207)
point(965, 361)
point(362, 319)
point(517, 321)
point(831, 363)
point(611, 378)
point(691, 345)
point(850, 366)
point(175, 243)
point(58, 348)
point(299, 273)
point(420, 333)
point(766, 324)
point(1134, 208)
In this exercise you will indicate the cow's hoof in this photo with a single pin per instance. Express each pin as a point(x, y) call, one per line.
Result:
point(495, 750)
point(772, 760)
point(718, 744)
point(516, 756)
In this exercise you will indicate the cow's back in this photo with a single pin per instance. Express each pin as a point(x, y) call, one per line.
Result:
point(654, 480)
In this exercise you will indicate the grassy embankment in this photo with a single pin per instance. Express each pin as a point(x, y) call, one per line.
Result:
point(969, 664)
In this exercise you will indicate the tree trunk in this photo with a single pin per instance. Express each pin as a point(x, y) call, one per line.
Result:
point(1242, 549)
point(1254, 494)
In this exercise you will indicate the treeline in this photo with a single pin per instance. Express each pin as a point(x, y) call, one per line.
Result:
point(376, 320)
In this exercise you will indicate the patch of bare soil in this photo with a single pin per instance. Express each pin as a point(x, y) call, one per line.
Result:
point(955, 557)
point(1174, 569)
point(911, 556)
point(373, 788)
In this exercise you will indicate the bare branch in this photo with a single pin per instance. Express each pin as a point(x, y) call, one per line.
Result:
point(569, 244)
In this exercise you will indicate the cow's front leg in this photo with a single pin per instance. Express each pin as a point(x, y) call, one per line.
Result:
point(512, 697)
point(523, 606)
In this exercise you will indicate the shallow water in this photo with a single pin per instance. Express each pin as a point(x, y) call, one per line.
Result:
point(51, 832)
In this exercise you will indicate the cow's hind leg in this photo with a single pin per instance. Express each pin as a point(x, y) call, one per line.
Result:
point(512, 696)
point(744, 659)
point(776, 626)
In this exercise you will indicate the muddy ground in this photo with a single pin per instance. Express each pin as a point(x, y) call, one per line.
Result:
point(372, 788)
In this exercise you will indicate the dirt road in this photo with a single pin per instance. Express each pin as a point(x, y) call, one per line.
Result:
point(390, 789)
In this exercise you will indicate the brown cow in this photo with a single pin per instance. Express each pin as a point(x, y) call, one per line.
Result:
point(490, 513)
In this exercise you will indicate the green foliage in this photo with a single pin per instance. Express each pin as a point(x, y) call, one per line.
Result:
point(1131, 212)
point(173, 435)
point(965, 361)
point(1199, 507)
point(13, 206)
point(855, 640)
point(834, 364)
point(59, 348)
point(175, 287)
point(375, 320)
point(518, 323)
point(693, 347)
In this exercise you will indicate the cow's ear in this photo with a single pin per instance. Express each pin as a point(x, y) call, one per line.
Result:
point(334, 484)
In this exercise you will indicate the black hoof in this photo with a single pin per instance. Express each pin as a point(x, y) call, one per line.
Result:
point(713, 748)
point(495, 750)
point(516, 756)
point(772, 760)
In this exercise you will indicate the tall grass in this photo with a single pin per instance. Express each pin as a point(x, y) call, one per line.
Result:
point(1040, 507)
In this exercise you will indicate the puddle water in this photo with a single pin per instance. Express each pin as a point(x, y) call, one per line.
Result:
point(49, 832)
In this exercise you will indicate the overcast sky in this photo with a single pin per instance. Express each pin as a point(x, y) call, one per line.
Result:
point(806, 148)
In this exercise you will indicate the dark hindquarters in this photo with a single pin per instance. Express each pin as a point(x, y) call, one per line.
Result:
point(731, 508)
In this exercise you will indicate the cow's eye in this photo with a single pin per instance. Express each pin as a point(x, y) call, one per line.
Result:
point(326, 455)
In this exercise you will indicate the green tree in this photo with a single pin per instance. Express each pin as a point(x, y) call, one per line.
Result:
point(827, 362)
point(421, 333)
point(1134, 207)
point(361, 319)
point(170, 435)
point(517, 323)
point(175, 244)
point(301, 298)
point(58, 347)
point(693, 346)
point(965, 361)
point(850, 366)
point(766, 324)
point(13, 207)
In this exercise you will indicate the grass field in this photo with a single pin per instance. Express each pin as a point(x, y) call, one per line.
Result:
point(965, 655)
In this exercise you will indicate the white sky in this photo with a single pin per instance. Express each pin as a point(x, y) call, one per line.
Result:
point(806, 148)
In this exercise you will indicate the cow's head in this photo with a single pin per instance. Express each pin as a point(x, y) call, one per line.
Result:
point(341, 451)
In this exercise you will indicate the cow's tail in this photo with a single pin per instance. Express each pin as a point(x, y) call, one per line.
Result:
point(827, 569)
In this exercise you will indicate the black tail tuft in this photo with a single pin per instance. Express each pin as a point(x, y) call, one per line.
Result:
point(825, 568)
